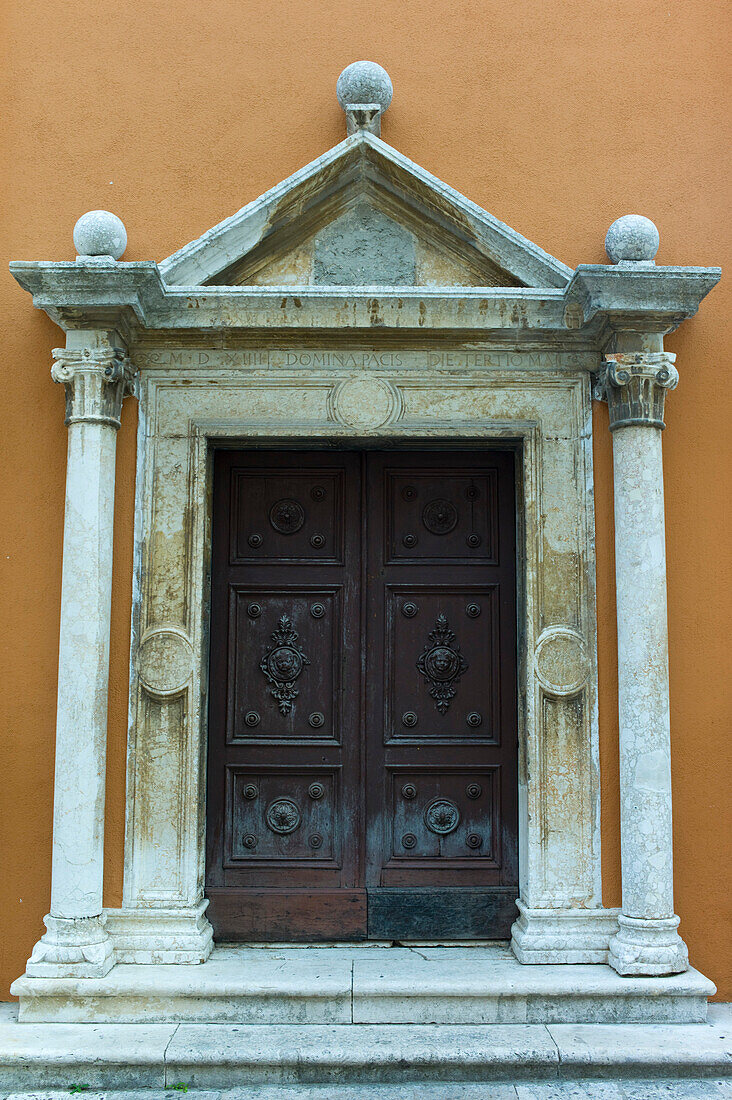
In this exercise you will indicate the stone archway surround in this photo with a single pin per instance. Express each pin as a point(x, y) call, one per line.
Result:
point(537, 401)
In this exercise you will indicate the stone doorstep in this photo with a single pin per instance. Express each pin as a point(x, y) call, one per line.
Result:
point(426, 985)
point(130, 1056)
point(704, 1088)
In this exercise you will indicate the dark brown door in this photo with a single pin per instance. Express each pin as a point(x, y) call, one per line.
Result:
point(362, 778)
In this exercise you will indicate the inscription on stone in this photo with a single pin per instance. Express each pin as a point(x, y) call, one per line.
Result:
point(326, 360)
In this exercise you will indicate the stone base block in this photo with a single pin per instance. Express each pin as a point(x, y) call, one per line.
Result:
point(320, 985)
point(548, 936)
point(72, 948)
point(151, 936)
point(651, 947)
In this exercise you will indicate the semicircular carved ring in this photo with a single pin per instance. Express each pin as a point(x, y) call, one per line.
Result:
point(561, 661)
point(165, 662)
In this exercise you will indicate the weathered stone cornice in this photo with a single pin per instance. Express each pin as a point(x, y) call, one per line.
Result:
point(642, 296)
point(95, 380)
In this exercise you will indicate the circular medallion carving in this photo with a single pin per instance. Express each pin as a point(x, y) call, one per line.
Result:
point(409, 609)
point(364, 402)
point(474, 719)
point(442, 664)
point(473, 541)
point(315, 840)
point(255, 541)
point(282, 816)
point(318, 493)
point(440, 517)
point(474, 840)
point(316, 791)
point(409, 493)
point(254, 610)
point(317, 541)
point(409, 840)
point(409, 791)
point(409, 719)
point(165, 662)
point(409, 541)
point(251, 718)
point(249, 840)
point(561, 661)
point(317, 610)
point(284, 663)
point(250, 791)
point(316, 719)
point(473, 790)
point(472, 610)
point(287, 516)
point(442, 816)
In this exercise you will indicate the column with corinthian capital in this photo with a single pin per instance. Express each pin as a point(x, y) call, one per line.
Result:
point(635, 385)
point(96, 374)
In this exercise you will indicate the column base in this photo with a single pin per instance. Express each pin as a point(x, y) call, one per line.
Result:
point(562, 935)
point(651, 947)
point(73, 947)
point(161, 935)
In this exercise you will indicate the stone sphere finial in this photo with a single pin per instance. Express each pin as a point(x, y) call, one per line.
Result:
point(99, 233)
point(364, 82)
point(633, 238)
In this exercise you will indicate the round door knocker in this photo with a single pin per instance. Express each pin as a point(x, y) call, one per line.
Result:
point(315, 840)
point(254, 610)
point(474, 719)
point(282, 816)
point(317, 610)
point(251, 718)
point(410, 541)
point(474, 840)
point(250, 792)
point(255, 541)
point(317, 541)
point(409, 719)
point(316, 719)
point(317, 493)
point(409, 609)
point(287, 516)
point(249, 840)
point(473, 541)
point(473, 790)
point(409, 840)
point(409, 791)
point(442, 816)
point(316, 791)
point(472, 610)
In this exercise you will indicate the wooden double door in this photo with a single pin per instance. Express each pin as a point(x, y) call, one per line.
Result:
point(362, 765)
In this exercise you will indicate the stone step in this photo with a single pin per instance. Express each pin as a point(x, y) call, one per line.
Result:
point(390, 985)
point(224, 1056)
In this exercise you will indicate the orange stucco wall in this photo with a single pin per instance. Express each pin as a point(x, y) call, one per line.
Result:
point(557, 117)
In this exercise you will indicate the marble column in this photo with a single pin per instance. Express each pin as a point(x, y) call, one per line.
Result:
point(647, 942)
point(96, 375)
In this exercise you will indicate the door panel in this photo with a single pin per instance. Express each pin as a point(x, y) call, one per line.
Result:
point(284, 773)
point(440, 692)
point(362, 715)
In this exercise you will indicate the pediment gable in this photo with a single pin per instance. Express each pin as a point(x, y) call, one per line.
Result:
point(363, 215)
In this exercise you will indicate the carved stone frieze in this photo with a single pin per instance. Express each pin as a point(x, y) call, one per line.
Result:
point(635, 384)
point(96, 381)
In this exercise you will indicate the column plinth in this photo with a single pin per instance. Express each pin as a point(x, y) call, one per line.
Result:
point(647, 942)
point(76, 943)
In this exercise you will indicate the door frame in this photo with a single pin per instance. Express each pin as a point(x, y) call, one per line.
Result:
point(538, 402)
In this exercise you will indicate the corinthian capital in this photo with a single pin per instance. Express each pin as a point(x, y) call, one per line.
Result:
point(635, 384)
point(96, 381)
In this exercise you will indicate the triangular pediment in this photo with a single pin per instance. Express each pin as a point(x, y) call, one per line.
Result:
point(363, 215)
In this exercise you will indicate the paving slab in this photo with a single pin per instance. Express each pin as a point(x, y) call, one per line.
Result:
point(208, 1056)
point(488, 985)
point(99, 1055)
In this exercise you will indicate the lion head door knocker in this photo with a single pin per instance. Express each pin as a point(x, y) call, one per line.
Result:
point(282, 663)
point(442, 664)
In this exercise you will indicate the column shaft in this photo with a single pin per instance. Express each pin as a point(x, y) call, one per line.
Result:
point(647, 941)
point(96, 376)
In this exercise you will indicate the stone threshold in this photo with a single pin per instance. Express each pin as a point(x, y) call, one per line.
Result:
point(353, 1061)
point(356, 985)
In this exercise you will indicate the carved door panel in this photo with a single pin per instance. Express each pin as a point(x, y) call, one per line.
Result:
point(362, 776)
point(442, 856)
point(284, 789)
